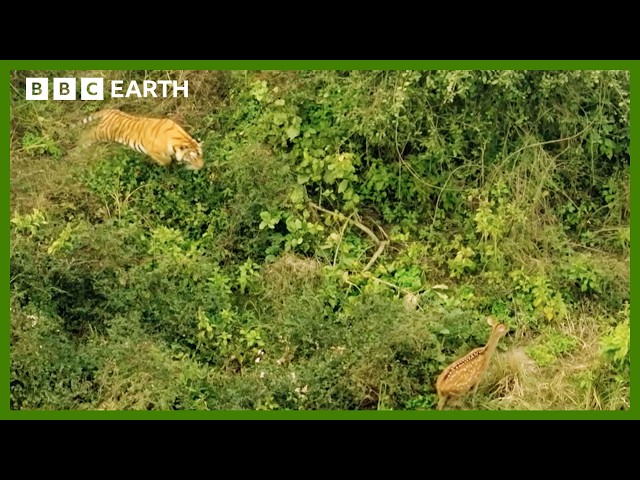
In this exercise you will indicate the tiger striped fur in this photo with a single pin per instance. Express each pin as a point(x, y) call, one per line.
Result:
point(162, 139)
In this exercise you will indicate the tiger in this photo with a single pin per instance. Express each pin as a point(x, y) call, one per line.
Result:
point(162, 139)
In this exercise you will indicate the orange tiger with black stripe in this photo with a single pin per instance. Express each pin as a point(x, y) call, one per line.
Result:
point(160, 138)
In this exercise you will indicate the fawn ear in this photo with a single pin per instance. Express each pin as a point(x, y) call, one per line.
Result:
point(491, 321)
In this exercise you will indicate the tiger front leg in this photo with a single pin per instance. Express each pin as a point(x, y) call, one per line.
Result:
point(163, 160)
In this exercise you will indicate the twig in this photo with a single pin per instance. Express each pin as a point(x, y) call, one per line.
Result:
point(481, 164)
point(126, 200)
point(376, 255)
point(344, 227)
point(435, 210)
point(412, 172)
point(588, 248)
point(352, 284)
point(400, 289)
point(350, 220)
point(538, 144)
point(382, 230)
point(610, 229)
point(377, 241)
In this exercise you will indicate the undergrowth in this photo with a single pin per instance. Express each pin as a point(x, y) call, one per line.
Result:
point(346, 238)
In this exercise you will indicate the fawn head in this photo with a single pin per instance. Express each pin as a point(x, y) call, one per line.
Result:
point(499, 328)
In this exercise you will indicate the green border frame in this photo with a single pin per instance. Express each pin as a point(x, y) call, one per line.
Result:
point(7, 65)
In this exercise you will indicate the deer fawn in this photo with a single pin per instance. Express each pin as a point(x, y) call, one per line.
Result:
point(466, 372)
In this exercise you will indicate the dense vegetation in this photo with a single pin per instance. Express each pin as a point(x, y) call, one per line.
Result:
point(349, 234)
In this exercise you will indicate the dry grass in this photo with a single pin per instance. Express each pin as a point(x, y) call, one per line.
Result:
point(290, 272)
point(515, 382)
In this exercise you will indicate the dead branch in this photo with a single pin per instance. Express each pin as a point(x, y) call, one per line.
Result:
point(376, 255)
point(380, 243)
point(365, 229)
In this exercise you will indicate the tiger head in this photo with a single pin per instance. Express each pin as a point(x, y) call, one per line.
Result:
point(190, 155)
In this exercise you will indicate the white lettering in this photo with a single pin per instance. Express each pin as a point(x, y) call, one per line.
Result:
point(165, 84)
point(133, 88)
point(37, 89)
point(64, 88)
point(116, 88)
point(184, 88)
point(89, 93)
point(150, 87)
point(93, 88)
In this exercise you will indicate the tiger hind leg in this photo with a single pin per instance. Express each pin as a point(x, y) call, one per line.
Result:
point(87, 138)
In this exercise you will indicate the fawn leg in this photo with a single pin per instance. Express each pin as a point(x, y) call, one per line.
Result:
point(475, 391)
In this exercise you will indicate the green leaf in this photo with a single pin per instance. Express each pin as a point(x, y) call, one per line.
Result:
point(330, 175)
point(279, 119)
point(293, 224)
point(292, 132)
point(297, 196)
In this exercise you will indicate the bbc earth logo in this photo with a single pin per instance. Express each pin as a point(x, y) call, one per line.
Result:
point(93, 89)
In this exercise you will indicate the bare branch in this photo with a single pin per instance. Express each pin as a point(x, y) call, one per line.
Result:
point(376, 255)
point(350, 220)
